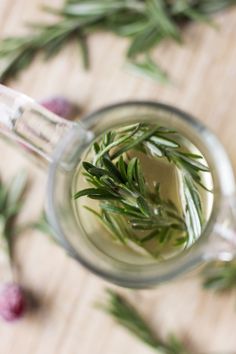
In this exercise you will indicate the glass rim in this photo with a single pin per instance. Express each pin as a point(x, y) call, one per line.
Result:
point(169, 268)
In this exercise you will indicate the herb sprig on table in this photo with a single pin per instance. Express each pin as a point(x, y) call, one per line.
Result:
point(220, 276)
point(12, 296)
point(145, 23)
point(127, 204)
point(10, 205)
point(128, 317)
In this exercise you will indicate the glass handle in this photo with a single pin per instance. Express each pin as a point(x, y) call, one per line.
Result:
point(222, 243)
point(28, 123)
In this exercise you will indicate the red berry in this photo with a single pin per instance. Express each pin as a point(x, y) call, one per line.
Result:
point(60, 106)
point(12, 302)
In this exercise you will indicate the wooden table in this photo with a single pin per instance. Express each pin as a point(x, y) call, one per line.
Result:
point(204, 72)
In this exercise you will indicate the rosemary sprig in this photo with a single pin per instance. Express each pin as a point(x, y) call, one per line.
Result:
point(220, 276)
point(125, 196)
point(189, 166)
point(147, 68)
point(127, 205)
point(129, 318)
point(43, 226)
point(10, 206)
point(16, 53)
point(145, 23)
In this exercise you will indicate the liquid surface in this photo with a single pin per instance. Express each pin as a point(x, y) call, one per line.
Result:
point(156, 170)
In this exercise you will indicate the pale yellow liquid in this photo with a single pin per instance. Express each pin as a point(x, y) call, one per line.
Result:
point(155, 170)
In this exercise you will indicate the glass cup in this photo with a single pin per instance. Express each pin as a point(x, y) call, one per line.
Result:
point(63, 144)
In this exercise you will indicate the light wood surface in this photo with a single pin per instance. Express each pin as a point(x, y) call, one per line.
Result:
point(204, 71)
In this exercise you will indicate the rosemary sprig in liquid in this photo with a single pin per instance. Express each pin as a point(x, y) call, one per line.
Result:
point(128, 208)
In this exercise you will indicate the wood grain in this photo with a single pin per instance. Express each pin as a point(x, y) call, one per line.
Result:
point(204, 73)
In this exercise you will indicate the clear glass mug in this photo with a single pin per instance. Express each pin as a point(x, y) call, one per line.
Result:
point(63, 143)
